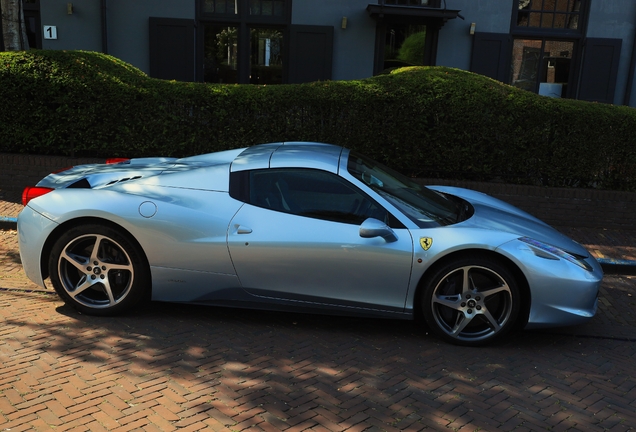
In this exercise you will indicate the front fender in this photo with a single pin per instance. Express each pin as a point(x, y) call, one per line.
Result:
point(443, 242)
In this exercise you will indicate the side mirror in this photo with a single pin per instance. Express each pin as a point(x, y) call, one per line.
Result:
point(371, 228)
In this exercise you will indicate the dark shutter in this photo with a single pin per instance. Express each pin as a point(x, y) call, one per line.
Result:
point(310, 53)
point(172, 45)
point(491, 55)
point(599, 70)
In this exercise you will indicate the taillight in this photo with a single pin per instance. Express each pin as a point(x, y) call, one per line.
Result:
point(111, 161)
point(31, 192)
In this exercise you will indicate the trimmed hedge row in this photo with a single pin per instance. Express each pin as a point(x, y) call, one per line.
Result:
point(424, 121)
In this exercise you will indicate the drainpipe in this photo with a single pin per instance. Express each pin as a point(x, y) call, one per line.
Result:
point(104, 17)
point(630, 75)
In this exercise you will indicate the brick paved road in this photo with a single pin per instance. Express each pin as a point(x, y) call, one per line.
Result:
point(200, 368)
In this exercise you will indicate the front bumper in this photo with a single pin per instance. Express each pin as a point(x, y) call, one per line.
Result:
point(562, 293)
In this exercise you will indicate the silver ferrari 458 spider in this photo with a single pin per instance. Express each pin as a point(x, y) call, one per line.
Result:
point(301, 227)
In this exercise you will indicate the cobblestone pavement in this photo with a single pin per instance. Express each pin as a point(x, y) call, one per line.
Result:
point(179, 367)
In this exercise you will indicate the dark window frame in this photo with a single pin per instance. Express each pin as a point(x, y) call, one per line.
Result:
point(243, 15)
point(431, 42)
point(571, 89)
point(412, 3)
point(35, 14)
point(544, 34)
point(243, 21)
point(386, 14)
point(550, 32)
point(35, 5)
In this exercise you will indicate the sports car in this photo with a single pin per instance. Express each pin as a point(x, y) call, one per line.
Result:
point(303, 227)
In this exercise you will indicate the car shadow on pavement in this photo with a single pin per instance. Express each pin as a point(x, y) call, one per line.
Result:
point(159, 321)
point(216, 363)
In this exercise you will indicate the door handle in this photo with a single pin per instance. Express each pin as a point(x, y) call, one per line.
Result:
point(243, 230)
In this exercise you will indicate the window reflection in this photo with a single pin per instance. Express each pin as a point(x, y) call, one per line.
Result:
point(542, 66)
point(312, 193)
point(220, 7)
point(266, 59)
point(243, 40)
point(405, 45)
point(267, 7)
point(220, 54)
point(552, 14)
point(408, 2)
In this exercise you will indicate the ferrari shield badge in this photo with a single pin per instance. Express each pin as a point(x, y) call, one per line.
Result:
point(426, 243)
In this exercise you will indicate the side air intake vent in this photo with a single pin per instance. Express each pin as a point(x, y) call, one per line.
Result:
point(123, 180)
point(80, 184)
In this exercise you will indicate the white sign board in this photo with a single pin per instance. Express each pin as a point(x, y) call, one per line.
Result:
point(50, 32)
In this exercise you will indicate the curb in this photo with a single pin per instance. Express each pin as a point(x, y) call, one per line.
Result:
point(8, 223)
point(617, 266)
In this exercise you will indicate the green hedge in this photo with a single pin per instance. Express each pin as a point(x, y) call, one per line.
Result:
point(424, 121)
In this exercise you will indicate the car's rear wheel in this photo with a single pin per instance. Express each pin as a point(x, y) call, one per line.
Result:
point(472, 301)
point(98, 270)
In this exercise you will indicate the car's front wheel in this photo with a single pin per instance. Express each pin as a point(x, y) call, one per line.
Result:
point(98, 270)
point(472, 301)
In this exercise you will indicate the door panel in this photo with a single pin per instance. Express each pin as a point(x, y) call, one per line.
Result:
point(305, 259)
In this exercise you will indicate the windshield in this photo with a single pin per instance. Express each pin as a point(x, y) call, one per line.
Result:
point(425, 207)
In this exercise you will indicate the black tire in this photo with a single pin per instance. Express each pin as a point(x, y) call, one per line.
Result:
point(472, 301)
point(98, 270)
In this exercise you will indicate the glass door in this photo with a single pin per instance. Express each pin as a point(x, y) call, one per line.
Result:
point(542, 66)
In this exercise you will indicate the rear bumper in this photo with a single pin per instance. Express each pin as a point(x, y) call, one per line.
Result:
point(33, 230)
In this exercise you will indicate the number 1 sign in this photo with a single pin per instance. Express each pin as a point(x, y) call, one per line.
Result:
point(50, 32)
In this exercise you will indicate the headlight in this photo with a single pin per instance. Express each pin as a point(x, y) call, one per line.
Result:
point(552, 252)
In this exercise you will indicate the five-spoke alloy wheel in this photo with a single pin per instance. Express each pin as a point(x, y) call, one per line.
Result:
point(472, 301)
point(98, 270)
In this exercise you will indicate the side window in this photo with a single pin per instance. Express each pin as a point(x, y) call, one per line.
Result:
point(312, 193)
